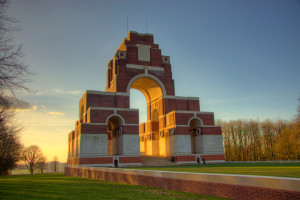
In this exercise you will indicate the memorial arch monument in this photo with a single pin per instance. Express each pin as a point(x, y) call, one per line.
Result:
point(108, 132)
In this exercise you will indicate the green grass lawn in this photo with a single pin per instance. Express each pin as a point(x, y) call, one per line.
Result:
point(260, 169)
point(58, 186)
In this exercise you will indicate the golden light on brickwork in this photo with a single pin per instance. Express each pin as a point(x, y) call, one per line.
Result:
point(148, 87)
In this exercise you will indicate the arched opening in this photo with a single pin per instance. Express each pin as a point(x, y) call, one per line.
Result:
point(138, 101)
point(114, 133)
point(153, 91)
point(195, 130)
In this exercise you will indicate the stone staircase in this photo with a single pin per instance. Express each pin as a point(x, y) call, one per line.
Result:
point(156, 161)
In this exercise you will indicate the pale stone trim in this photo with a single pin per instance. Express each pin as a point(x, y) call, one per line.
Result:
point(144, 52)
point(144, 67)
point(179, 125)
point(208, 126)
point(133, 66)
point(132, 124)
point(111, 108)
point(101, 133)
point(142, 34)
point(97, 165)
point(187, 162)
point(290, 184)
point(106, 124)
point(156, 68)
point(130, 164)
point(107, 93)
point(183, 98)
point(93, 123)
point(90, 155)
point(192, 112)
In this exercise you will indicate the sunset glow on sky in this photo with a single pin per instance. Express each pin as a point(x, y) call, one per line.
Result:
point(241, 58)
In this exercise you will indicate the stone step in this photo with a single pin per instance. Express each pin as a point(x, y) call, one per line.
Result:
point(156, 161)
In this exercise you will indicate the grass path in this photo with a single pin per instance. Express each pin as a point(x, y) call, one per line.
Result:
point(260, 169)
point(58, 186)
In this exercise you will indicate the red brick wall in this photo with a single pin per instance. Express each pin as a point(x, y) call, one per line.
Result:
point(98, 116)
point(123, 160)
point(207, 119)
point(119, 83)
point(103, 160)
point(102, 100)
point(231, 191)
point(92, 129)
point(185, 158)
point(180, 130)
point(183, 118)
point(122, 101)
point(193, 105)
point(130, 117)
point(155, 57)
point(213, 157)
point(211, 131)
point(130, 129)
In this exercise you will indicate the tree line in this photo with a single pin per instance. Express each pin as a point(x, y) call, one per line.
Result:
point(252, 140)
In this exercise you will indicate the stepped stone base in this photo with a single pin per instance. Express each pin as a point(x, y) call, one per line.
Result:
point(163, 161)
point(156, 161)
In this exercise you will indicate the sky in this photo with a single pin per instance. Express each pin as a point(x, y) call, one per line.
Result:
point(241, 58)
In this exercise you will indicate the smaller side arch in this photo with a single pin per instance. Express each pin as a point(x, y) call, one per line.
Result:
point(114, 124)
point(117, 115)
point(155, 115)
point(194, 120)
point(195, 124)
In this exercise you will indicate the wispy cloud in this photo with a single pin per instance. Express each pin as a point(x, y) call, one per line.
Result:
point(73, 92)
point(19, 105)
point(55, 113)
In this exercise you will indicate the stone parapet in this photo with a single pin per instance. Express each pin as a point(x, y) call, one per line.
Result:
point(241, 187)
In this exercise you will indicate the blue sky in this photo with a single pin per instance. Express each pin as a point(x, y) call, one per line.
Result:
point(241, 58)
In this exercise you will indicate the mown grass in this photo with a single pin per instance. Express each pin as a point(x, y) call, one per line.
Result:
point(259, 169)
point(58, 186)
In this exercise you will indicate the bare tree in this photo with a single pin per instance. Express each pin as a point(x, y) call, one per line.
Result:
point(31, 156)
point(13, 73)
point(13, 76)
point(10, 145)
point(42, 164)
point(54, 164)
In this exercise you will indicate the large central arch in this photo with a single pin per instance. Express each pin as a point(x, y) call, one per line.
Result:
point(108, 131)
point(149, 85)
point(153, 90)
